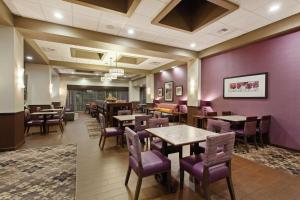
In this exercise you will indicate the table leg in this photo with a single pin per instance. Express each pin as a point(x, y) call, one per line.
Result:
point(44, 125)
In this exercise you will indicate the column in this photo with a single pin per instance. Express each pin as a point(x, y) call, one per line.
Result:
point(149, 88)
point(134, 92)
point(11, 89)
point(39, 86)
point(194, 88)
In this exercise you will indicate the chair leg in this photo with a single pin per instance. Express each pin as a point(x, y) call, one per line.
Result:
point(191, 150)
point(100, 140)
point(205, 184)
point(103, 142)
point(61, 128)
point(28, 130)
point(181, 182)
point(255, 142)
point(261, 140)
point(138, 188)
point(180, 154)
point(117, 140)
point(230, 187)
point(128, 175)
point(169, 181)
point(122, 140)
point(246, 143)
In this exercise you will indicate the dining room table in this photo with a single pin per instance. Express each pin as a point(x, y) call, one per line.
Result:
point(126, 118)
point(232, 118)
point(44, 114)
point(52, 110)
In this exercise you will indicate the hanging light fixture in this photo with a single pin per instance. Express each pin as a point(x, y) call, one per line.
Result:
point(103, 78)
point(116, 71)
point(111, 76)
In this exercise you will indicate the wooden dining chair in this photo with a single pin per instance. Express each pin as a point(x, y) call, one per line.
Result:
point(248, 131)
point(30, 122)
point(264, 129)
point(213, 166)
point(157, 114)
point(144, 164)
point(56, 122)
point(141, 123)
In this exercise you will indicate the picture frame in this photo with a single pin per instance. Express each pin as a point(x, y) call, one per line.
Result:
point(251, 86)
point(160, 92)
point(168, 91)
point(179, 90)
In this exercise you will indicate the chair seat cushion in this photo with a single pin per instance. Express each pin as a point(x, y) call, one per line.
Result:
point(143, 134)
point(153, 162)
point(53, 121)
point(113, 131)
point(216, 172)
point(35, 122)
point(187, 163)
point(239, 132)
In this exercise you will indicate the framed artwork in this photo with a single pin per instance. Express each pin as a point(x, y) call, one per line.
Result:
point(160, 92)
point(253, 86)
point(179, 90)
point(169, 86)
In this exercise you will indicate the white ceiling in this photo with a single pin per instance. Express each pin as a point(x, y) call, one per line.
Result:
point(61, 52)
point(251, 15)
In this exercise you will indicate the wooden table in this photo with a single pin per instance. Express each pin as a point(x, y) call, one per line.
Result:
point(44, 114)
point(122, 118)
point(52, 110)
point(181, 135)
point(232, 118)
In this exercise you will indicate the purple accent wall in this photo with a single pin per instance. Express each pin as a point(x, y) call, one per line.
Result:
point(280, 57)
point(178, 75)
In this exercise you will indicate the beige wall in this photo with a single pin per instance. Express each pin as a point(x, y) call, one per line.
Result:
point(55, 81)
point(38, 85)
point(149, 88)
point(11, 69)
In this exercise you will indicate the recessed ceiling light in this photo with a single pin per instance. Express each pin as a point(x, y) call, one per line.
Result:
point(58, 15)
point(193, 45)
point(29, 57)
point(274, 7)
point(130, 31)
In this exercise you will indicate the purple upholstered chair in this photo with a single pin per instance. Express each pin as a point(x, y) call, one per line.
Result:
point(146, 163)
point(226, 113)
point(157, 114)
point(32, 122)
point(248, 131)
point(217, 126)
point(56, 122)
point(213, 165)
point(126, 123)
point(108, 132)
point(156, 143)
point(142, 123)
point(264, 128)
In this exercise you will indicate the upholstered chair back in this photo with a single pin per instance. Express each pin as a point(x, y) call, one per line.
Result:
point(157, 114)
point(133, 144)
point(124, 112)
point(154, 123)
point(102, 123)
point(141, 122)
point(213, 155)
point(164, 122)
point(250, 126)
point(264, 124)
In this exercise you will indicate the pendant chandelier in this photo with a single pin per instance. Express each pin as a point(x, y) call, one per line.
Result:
point(103, 78)
point(109, 75)
point(116, 71)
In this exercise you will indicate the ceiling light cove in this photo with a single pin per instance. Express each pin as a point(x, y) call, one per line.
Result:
point(58, 15)
point(193, 45)
point(130, 31)
point(275, 7)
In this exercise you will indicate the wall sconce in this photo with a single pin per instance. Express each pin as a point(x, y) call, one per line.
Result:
point(148, 91)
point(51, 89)
point(20, 78)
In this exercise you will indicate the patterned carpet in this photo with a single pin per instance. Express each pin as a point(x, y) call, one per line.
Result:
point(274, 157)
point(93, 127)
point(42, 173)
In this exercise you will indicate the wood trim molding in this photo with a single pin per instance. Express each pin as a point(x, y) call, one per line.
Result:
point(47, 31)
point(6, 17)
point(283, 26)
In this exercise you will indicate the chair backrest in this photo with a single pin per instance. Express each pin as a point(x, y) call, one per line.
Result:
point(250, 126)
point(124, 112)
point(264, 125)
point(211, 114)
point(27, 114)
point(154, 123)
point(213, 155)
point(157, 114)
point(141, 122)
point(164, 122)
point(133, 145)
point(226, 113)
point(218, 126)
point(102, 123)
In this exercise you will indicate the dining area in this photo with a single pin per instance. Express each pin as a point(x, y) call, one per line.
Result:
point(204, 153)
